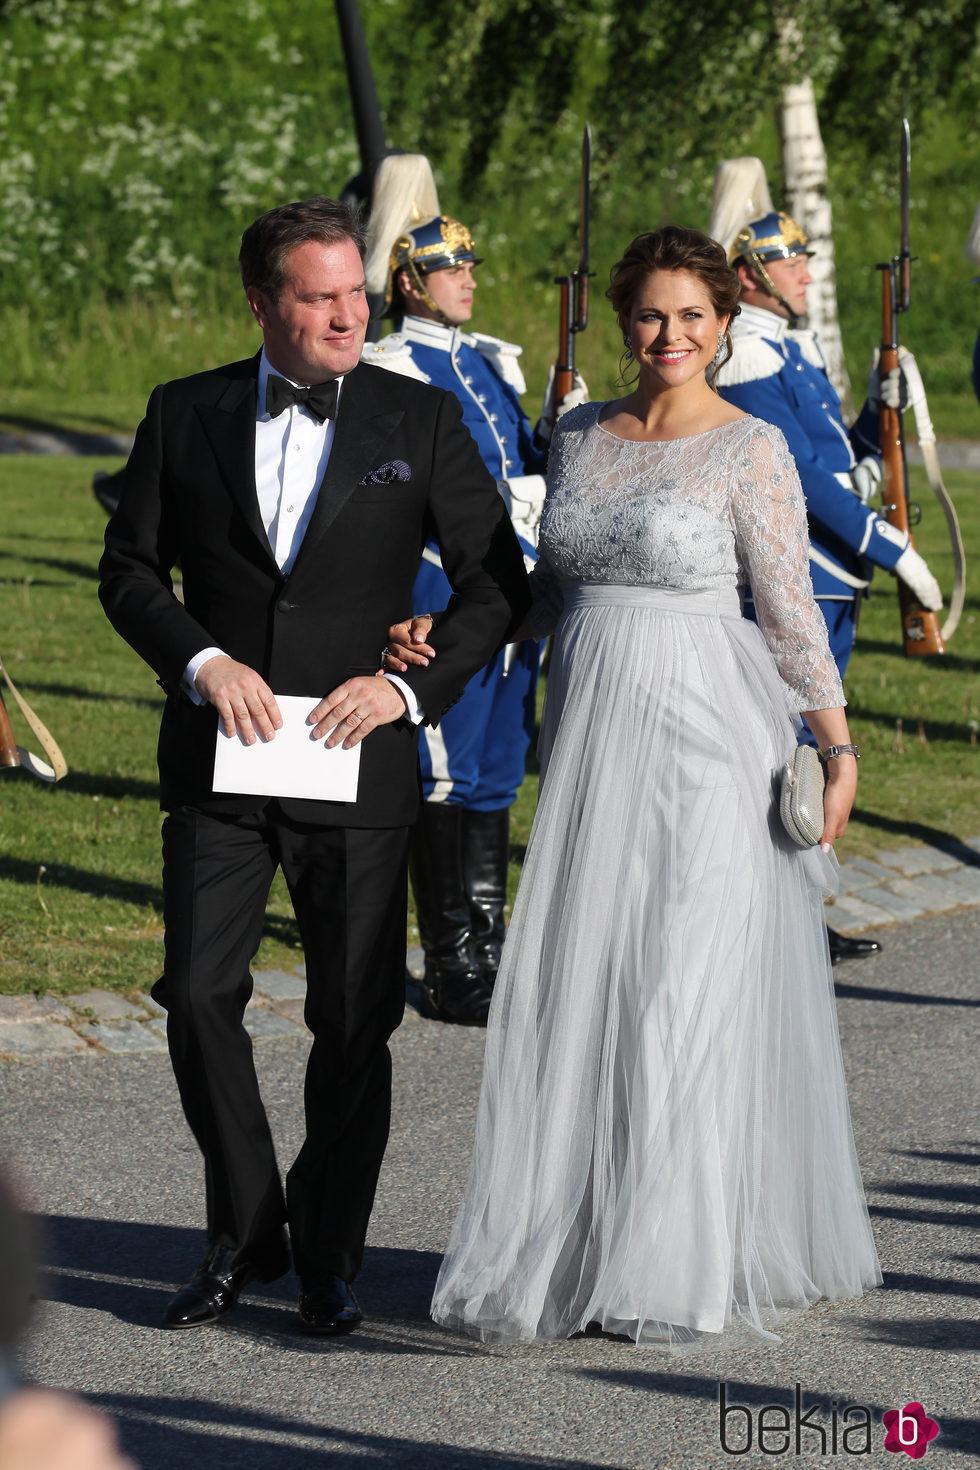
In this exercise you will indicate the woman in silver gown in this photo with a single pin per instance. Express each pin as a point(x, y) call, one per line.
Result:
point(663, 1146)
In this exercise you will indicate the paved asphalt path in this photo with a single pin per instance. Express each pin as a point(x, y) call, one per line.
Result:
point(104, 1158)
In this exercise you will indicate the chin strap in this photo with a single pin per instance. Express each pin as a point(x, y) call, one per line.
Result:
point(417, 279)
point(770, 285)
point(20, 757)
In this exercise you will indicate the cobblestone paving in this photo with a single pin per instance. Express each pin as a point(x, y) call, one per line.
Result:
point(900, 883)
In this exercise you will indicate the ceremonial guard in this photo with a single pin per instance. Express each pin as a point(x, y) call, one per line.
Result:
point(777, 371)
point(421, 263)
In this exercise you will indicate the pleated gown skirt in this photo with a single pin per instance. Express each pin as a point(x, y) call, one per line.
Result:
point(663, 1144)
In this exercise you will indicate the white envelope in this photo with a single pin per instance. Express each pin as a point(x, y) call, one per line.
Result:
point(293, 764)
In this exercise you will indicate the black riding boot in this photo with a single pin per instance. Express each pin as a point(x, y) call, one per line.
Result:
point(486, 849)
point(452, 987)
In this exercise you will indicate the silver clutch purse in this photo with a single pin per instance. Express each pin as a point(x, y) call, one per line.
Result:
point(801, 797)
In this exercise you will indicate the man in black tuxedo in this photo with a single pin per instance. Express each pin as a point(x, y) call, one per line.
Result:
point(297, 490)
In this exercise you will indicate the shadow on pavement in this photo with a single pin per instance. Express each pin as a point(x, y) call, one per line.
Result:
point(942, 1158)
point(955, 1432)
point(925, 1217)
point(131, 1269)
point(899, 997)
point(931, 1285)
point(147, 1434)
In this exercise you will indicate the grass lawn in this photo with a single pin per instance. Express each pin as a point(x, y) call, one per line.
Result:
point(79, 863)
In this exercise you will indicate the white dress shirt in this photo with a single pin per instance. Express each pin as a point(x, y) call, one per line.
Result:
point(291, 455)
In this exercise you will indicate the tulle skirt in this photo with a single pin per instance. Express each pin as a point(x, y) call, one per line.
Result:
point(663, 1145)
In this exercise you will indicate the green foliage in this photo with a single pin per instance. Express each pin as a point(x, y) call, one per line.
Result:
point(138, 137)
point(135, 139)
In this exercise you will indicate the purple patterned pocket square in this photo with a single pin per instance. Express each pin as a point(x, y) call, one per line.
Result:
point(387, 474)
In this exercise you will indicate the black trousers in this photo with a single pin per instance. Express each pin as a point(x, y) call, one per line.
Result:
point(348, 888)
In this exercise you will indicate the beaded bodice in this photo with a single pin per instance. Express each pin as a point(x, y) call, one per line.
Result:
point(718, 509)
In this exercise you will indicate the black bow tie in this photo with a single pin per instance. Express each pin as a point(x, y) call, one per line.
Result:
point(320, 399)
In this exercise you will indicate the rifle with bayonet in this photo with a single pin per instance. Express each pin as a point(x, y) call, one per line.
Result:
point(573, 308)
point(921, 634)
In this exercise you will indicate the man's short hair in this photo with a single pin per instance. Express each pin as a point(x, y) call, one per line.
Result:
point(267, 243)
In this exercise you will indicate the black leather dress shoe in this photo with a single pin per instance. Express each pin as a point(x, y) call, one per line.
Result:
point(842, 947)
point(329, 1309)
point(216, 1285)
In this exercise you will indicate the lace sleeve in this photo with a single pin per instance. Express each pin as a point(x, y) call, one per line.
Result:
point(769, 514)
point(547, 599)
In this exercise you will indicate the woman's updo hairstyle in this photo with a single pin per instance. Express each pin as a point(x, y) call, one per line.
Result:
point(674, 248)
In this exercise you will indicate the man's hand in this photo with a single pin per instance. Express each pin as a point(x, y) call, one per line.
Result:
point(243, 699)
point(355, 708)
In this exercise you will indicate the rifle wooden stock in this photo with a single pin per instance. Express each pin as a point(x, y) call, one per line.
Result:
point(920, 627)
point(565, 365)
point(9, 754)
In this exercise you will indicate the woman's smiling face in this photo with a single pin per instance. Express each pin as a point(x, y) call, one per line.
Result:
point(673, 328)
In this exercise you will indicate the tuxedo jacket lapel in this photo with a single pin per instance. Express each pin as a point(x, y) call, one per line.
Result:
point(364, 424)
point(229, 424)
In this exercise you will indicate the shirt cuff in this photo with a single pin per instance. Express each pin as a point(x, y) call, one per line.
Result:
point(413, 712)
point(190, 673)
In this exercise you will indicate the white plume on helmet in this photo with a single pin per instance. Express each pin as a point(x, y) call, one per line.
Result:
point(741, 194)
point(404, 194)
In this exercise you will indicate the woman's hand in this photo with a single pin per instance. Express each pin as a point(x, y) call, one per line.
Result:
point(838, 798)
point(407, 645)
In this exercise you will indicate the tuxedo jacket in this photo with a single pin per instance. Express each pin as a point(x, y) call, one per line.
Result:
point(402, 469)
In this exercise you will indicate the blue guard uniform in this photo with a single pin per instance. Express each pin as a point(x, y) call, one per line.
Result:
point(476, 755)
point(473, 763)
point(779, 374)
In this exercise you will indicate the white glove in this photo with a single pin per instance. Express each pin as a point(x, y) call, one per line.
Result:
point(527, 494)
point(866, 477)
point(901, 388)
point(578, 393)
point(916, 575)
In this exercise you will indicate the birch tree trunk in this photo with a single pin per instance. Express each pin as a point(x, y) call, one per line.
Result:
point(805, 176)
